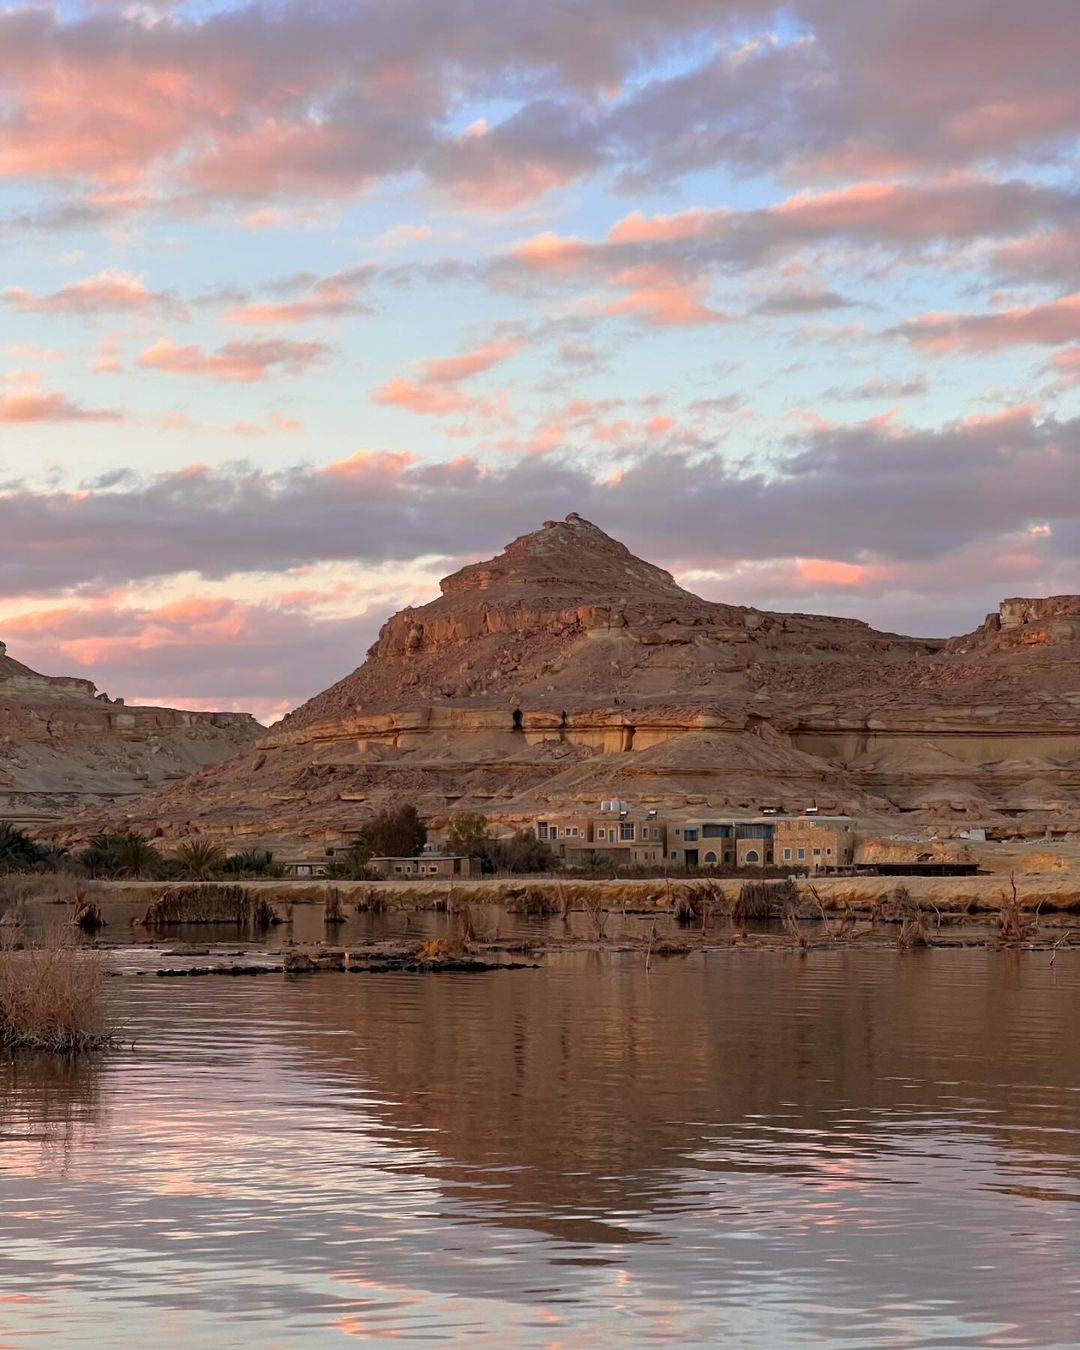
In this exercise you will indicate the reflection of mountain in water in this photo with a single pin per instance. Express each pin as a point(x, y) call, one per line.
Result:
point(590, 1091)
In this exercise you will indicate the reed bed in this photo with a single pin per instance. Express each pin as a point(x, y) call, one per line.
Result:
point(52, 997)
point(210, 904)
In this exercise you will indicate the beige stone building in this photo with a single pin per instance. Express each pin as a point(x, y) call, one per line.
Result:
point(435, 865)
point(613, 832)
point(810, 841)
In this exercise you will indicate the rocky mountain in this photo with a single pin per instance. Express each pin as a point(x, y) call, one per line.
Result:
point(566, 670)
point(62, 744)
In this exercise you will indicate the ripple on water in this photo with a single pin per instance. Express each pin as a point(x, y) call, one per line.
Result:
point(859, 1149)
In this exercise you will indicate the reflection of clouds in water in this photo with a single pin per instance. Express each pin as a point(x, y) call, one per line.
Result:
point(740, 1146)
point(50, 1107)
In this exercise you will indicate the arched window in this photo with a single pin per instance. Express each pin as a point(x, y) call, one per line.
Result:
point(752, 855)
point(710, 857)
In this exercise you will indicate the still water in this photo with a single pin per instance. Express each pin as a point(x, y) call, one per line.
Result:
point(858, 1149)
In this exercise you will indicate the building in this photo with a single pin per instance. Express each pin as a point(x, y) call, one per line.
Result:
point(808, 842)
point(426, 865)
point(614, 833)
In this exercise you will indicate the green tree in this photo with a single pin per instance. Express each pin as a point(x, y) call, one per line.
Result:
point(120, 855)
point(201, 859)
point(522, 852)
point(252, 862)
point(18, 852)
point(469, 835)
point(396, 833)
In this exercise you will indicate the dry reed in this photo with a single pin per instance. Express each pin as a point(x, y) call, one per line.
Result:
point(209, 904)
point(52, 997)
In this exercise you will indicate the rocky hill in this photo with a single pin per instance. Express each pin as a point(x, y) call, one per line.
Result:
point(62, 744)
point(566, 670)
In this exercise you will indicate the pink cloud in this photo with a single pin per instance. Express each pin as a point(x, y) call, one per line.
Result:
point(243, 361)
point(452, 369)
point(1055, 321)
point(109, 292)
point(35, 405)
point(420, 398)
point(664, 299)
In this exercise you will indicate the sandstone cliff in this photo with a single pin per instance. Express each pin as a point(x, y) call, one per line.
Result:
point(63, 744)
point(566, 670)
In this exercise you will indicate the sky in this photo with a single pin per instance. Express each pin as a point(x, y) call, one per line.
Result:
point(305, 305)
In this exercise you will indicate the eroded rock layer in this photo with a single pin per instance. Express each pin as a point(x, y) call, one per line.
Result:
point(63, 744)
point(566, 670)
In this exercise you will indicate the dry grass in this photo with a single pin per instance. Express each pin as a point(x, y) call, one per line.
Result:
point(211, 905)
point(52, 997)
point(334, 912)
point(51, 888)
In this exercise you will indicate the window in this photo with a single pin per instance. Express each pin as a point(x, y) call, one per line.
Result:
point(710, 857)
point(801, 854)
point(541, 829)
point(752, 855)
point(817, 853)
point(397, 867)
point(690, 835)
point(787, 855)
point(828, 852)
point(626, 831)
point(715, 831)
point(674, 855)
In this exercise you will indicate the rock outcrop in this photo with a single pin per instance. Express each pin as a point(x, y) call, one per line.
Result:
point(566, 670)
point(62, 744)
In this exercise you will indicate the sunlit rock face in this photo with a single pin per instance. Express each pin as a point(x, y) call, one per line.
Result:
point(567, 670)
point(63, 744)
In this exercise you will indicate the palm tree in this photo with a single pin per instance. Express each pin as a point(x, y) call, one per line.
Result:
point(18, 852)
point(201, 859)
point(120, 855)
point(252, 862)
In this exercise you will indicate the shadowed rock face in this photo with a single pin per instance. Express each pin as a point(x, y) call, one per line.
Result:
point(566, 670)
point(62, 743)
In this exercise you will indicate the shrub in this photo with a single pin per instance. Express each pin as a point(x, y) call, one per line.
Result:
point(52, 997)
point(252, 862)
point(127, 856)
point(18, 852)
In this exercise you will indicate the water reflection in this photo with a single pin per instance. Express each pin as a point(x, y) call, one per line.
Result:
point(859, 1149)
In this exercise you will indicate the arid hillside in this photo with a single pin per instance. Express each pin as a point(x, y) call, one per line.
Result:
point(62, 744)
point(566, 670)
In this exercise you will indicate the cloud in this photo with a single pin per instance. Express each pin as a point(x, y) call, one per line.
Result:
point(877, 388)
point(110, 292)
point(417, 398)
point(261, 103)
point(329, 297)
point(436, 391)
point(1056, 321)
point(453, 369)
point(248, 361)
point(36, 405)
point(895, 493)
point(199, 651)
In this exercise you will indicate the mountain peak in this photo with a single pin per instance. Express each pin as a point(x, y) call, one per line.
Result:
point(571, 555)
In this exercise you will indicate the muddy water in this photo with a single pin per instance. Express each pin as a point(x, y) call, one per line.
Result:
point(860, 1149)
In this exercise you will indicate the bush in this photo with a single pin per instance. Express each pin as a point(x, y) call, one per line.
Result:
point(52, 997)
point(116, 856)
point(200, 859)
point(18, 852)
point(252, 862)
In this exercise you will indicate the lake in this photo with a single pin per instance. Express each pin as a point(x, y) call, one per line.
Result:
point(860, 1148)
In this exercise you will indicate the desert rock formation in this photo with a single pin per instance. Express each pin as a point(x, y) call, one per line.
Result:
point(62, 744)
point(566, 670)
